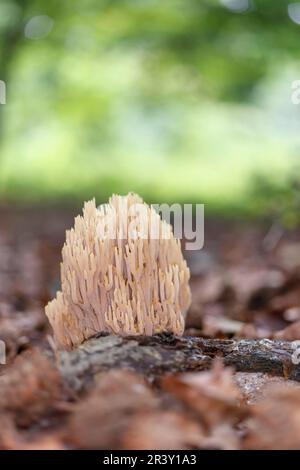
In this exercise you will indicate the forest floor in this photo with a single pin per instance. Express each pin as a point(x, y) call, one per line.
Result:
point(245, 284)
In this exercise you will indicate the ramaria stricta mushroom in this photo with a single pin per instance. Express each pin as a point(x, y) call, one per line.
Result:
point(122, 272)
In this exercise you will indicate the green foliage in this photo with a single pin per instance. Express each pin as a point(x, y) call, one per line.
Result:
point(179, 100)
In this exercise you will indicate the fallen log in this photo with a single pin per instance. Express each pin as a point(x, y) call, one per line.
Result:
point(156, 355)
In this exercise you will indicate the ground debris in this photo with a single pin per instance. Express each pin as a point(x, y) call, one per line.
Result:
point(29, 387)
point(162, 392)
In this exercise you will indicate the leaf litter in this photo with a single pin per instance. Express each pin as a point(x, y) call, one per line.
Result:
point(240, 289)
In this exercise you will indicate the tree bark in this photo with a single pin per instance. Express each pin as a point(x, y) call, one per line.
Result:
point(157, 355)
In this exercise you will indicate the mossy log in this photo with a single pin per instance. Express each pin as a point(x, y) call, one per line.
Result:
point(161, 354)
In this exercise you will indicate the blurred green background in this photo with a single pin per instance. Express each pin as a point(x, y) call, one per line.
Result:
point(179, 100)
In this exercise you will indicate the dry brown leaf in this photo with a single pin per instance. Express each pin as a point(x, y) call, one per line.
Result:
point(163, 430)
point(13, 439)
point(290, 333)
point(214, 399)
point(9, 436)
point(213, 390)
point(255, 386)
point(49, 442)
point(101, 420)
point(275, 422)
point(29, 386)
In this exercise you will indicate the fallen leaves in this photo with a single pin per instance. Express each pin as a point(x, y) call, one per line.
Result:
point(163, 430)
point(275, 421)
point(29, 387)
point(197, 410)
point(215, 409)
point(214, 399)
point(204, 410)
point(290, 333)
point(240, 289)
point(106, 413)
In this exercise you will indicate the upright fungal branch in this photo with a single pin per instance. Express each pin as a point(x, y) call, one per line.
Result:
point(122, 272)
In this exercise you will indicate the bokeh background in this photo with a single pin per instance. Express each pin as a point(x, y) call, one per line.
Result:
point(179, 100)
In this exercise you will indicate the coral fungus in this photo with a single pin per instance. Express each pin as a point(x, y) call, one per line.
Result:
point(122, 273)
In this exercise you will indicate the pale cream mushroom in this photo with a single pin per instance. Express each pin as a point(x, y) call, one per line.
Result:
point(122, 272)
